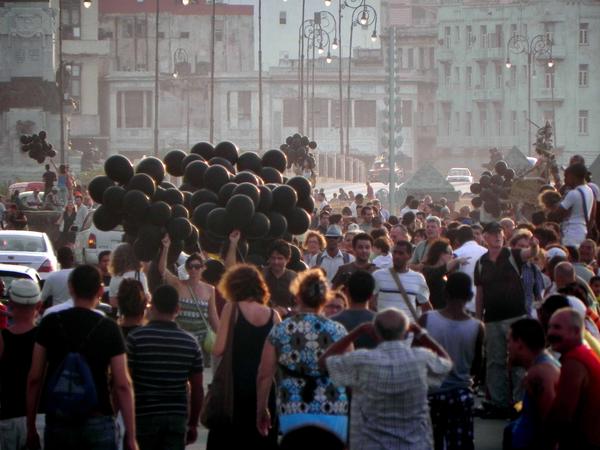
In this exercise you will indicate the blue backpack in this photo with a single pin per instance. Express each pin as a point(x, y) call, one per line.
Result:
point(71, 392)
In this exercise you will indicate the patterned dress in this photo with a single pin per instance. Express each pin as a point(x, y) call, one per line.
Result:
point(306, 395)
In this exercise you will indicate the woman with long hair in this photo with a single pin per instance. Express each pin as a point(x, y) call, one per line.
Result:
point(124, 264)
point(306, 395)
point(65, 222)
point(198, 314)
point(439, 262)
point(247, 294)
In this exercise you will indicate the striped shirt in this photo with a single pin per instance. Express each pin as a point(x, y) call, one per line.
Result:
point(389, 295)
point(162, 358)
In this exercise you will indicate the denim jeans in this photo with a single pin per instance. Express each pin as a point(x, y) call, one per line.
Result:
point(161, 432)
point(13, 432)
point(95, 433)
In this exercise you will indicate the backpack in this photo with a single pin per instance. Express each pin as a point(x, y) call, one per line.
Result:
point(345, 258)
point(71, 393)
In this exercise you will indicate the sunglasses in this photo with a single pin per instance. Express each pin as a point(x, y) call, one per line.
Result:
point(195, 266)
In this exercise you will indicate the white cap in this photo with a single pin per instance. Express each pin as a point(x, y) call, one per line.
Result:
point(24, 292)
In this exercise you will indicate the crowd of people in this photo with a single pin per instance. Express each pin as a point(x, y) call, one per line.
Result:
point(400, 329)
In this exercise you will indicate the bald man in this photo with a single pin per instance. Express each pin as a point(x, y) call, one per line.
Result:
point(389, 408)
point(573, 420)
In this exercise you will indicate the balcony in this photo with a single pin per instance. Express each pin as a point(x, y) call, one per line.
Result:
point(545, 95)
point(83, 48)
point(444, 54)
point(488, 94)
point(488, 54)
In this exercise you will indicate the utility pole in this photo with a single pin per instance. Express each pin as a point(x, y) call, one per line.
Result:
point(394, 125)
point(212, 70)
point(61, 87)
point(156, 74)
point(260, 94)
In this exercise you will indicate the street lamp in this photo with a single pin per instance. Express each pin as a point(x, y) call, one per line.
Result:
point(327, 3)
point(87, 4)
point(537, 46)
point(183, 70)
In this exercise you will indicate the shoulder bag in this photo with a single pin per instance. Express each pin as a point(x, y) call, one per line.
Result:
point(208, 342)
point(592, 230)
point(411, 307)
point(217, 409)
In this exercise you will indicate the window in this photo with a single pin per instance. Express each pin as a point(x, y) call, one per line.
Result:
point(219, 27)
point(291, 112)
point(421, 58)
point(365, 112)
point(583, 121)
point(482, 76)
point(321, 113)
point(282, 17)
point(335, 113)
point(184, 35)
point(549, 32)
point(549, 79)
point(483, 36)
point(469, 36)
point(140, 28)
point(446, 123)
point(406, 113)
point(447, 37)
point(498, 122)
point(446, 74)
point(134, 109)
point(74, 87)
point(482, 122)
point(457, 122)
point(468, 120)
point(469, 77)
point(457, 75)
point(431, 57)
point(498, 76)
point(583, 33)
point(498, 37)
point(71, 19)
point(126, 28)
point(244, 109)
point(411, 58)
point(513, 123)
point(583, 75)
point(513, 29)
point(399, 54)
point(457, 34)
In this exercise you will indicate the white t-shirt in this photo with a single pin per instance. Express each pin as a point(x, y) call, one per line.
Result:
point(57, 286)
point(329, 264)
point(389, 296)
point(407, 209)
point(574, 227)
point(383, 261)
point(115, 282)
point(473, 250)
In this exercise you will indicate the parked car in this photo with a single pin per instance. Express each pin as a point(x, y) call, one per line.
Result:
point(90, 241)
point(380, 172)
point(28, 248)
point(26, 186)
point(459, 175)
point(11, 272)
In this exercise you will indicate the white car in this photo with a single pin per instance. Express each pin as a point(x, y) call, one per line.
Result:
point(459, 175)
point(28, 248)
point(11, 272)
point(90, 241)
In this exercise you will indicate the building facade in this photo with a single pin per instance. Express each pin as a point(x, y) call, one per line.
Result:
point(483, 102)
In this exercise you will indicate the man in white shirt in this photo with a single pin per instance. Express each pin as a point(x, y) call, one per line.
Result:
point(358, 201)
point(470, 249)
point(389, 294)
point(577, 207)
point(82, 212)
point(332, 258)
point(56, 286)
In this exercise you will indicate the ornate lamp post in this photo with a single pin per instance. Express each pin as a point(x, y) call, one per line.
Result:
point(182, 72)
point(537, 46)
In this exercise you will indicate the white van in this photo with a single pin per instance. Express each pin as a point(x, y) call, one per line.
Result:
point(90, 241)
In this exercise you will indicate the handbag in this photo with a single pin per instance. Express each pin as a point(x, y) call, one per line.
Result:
point(217, 408)
point(208, 343)
point(411, 307)
point(590, 223)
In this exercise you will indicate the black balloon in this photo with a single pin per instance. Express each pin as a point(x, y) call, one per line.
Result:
point(246, 177)
point(190, 158)
point(296, 253)
point(298, 221)
point(278, 224)
point(191, 244)
point(152, 166)
point(159, 213)
point(143, 251)
point(284, 198)
point(475, 188)
point(256, 259)
point(275, 158)
point(187, 200)
point(166, 185)
point(142, 182)
point(249, 161)
point(301, 185)
point(258, 227)
point(226, 192)
point(297, 266)
point(497, 179)
point(509, 174)
point(118, 168)
point(173, 162)
point(250, 190)
point(179, 211)
point(501, 167)
point(104, 219)
point(179, 228)
point(486, 172)
point(200, 215)
point(113, 198)
point(204, 149)
point(227, 150)
point(485, 181)
point(135, 205)
point(174, 197)
point(266, 199)
point(151, 235)
point(271, 175)
point(307, 204)
point(240, 209)
point(159, 194)
point(476, 202)
point(223, 162)
point(203, 196)
point(215, 177)
point(194, 173)
point(216, 223)
point(98, 186)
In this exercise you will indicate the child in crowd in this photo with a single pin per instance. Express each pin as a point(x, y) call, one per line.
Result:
point(383, 258)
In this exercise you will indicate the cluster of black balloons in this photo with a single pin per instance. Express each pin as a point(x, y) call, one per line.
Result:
point(222, 191)
point(493, 190)
point(296, 148)
point(37, 147)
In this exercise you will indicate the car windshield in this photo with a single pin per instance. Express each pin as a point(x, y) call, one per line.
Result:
point(20, 243)
point(458, 172)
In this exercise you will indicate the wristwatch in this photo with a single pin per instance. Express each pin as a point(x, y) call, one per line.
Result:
point(422, 332)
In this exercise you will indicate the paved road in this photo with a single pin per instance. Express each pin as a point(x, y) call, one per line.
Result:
point(331, 186)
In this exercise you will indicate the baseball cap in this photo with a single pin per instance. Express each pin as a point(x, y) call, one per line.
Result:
point(24, 292)
point(492, 227)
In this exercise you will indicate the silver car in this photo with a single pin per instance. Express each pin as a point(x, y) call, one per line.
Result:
point(28, 248)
